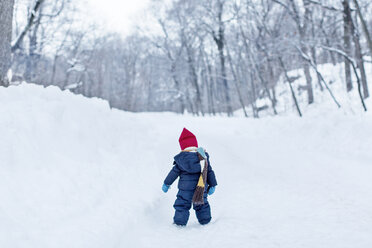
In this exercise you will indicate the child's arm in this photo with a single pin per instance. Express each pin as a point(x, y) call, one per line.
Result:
point(172, 175)
point(211, 177)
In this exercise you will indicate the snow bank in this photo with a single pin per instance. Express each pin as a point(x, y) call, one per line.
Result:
point(75, 173)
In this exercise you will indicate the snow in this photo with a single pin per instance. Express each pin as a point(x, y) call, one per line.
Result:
point(74, 86)
point(323, 103)
point(75, 173)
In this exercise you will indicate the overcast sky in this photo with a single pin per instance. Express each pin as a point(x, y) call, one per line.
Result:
point(118, 15)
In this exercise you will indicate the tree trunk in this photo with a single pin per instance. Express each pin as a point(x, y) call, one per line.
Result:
point(253, 96)
point(364, 26)
point(237, 82)
point(224, 79)
point(359, 59)
point(210, 91)
point(194, 79)
point(32, 54)
point(271, 79)
point(220, 42)
point(347, 43)
point(360, 63)
point(313, 53)
point(178, 87)
point(310, 92)
point(302, 29)
point(290, 86)
point(6, 18)
point(309, 85)
point(353, 32)
point(209, 82)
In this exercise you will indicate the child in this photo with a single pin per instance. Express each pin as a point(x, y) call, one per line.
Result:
point(187, 166)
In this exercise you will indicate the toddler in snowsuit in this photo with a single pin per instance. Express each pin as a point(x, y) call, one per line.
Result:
point(187, 166)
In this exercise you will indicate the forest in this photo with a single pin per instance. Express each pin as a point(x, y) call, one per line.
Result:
point(204, 57)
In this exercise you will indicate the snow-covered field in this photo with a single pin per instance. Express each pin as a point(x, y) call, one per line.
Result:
point(74, 173)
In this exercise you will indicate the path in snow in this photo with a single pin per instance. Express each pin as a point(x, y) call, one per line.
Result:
point(274, 191)
point(77, 174)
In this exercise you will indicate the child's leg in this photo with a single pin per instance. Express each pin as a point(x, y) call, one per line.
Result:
point(203, 212)
point(182, 206)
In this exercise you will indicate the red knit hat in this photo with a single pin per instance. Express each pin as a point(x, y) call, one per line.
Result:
point(187, 139)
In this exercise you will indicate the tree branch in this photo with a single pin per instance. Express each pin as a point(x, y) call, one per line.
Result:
point(30, 22)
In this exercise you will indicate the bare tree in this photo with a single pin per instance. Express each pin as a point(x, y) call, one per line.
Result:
point(6, 17)
point(216, 27)
point(364, 25)
point(30, 21)
point(354, 33)
point(301, 22)
point(174, 56)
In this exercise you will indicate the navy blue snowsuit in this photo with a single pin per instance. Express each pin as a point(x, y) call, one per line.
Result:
point(188, 167)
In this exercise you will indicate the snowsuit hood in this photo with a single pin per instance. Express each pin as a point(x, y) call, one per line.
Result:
point(188, 162)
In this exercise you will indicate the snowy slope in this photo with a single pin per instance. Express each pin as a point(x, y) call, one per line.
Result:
point(323, 102)
point(76, 174)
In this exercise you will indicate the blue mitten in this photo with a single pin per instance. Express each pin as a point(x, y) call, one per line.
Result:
point(165, 188)
point(211, 190)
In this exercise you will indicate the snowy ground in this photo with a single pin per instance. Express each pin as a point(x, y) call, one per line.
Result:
point(76, 174)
